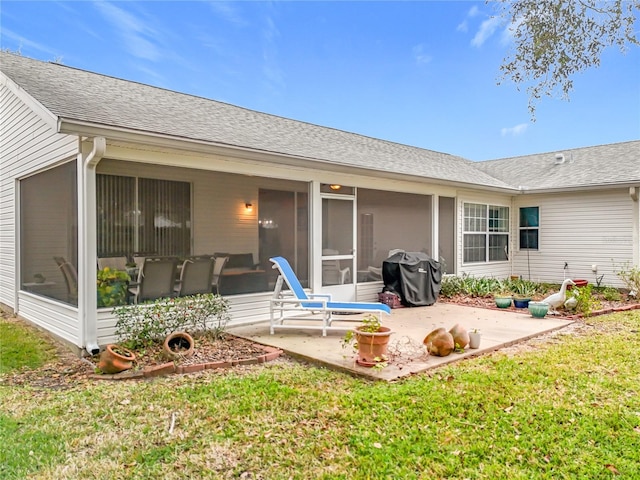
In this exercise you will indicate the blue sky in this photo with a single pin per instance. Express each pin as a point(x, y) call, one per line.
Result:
point(423, 73)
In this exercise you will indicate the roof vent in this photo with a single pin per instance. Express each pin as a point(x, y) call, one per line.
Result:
point(559, 158)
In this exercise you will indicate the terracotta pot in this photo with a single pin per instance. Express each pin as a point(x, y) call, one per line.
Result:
point(460, 336)
point(439, 342)
point(578, 283)
point(179, 344)
point(372, 346)
point(115, 359)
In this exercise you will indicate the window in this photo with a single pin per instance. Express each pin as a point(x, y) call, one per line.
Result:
point(529, 227)
point(143, 215)
point(485, 233)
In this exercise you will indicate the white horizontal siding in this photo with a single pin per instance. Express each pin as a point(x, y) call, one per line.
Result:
point(27, 144)
point(368, 292)
point(580, 230)
point(58, 318)
point(243, 310)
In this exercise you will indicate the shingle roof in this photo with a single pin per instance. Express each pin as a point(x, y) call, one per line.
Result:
point(78, 95)
point(613, 164)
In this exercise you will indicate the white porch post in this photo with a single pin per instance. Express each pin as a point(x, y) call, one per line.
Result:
point(435, 227)
point(315, 226)
point(87, 243)
point(633, 193)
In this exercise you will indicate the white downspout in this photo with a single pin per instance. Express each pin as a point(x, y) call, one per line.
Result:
point(87, 271)
point(633, 194)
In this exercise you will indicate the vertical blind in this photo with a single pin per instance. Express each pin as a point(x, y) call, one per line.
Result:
point(141, 215)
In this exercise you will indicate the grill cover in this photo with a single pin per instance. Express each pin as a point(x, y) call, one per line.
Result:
point(414, 276)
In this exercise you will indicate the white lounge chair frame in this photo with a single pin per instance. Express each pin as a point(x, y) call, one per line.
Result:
point(295, 303)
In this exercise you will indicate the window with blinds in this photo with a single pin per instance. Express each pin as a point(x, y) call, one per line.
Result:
point(142, 215)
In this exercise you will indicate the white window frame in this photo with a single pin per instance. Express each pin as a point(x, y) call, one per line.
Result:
point(482, 226)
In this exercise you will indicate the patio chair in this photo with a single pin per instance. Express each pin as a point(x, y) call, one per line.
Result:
point(114, 263)
point(297, 304)
point(332, 271)
point(195, 276)
point(70, 275)
point(218, 267)
point(156, 279)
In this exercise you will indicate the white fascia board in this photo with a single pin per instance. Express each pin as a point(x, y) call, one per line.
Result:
point(44, 113)
point(87, 129)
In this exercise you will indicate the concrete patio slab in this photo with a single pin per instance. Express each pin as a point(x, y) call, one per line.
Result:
point(410, 326)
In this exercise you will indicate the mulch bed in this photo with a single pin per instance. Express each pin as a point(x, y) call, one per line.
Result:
point(627, 303)
point(66, 370)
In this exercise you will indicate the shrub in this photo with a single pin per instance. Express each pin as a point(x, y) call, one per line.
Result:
point(630, 276)
point(450, 286)
point(586, 302)
point(144, 324)
point(611, 294)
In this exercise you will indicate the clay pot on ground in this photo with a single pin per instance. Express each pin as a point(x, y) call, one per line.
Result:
point(178, 345)
point(115, 359)
point(439, 342)
point(372, 346)
point(460, 336)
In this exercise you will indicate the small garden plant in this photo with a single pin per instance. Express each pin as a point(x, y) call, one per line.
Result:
point(145, 324)
point(370, 324)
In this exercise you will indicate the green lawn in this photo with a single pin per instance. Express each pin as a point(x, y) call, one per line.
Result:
point(568, 409)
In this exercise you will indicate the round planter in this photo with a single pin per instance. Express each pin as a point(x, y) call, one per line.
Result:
point(521, 302)
point(474, 339)
point(179, 345)
point(578, 283)
point(538, 309)
point(372, 346)
point(115, 359)
point(503, 302)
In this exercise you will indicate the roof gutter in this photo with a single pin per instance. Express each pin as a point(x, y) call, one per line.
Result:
point(579, 188)
point(87, 303)
point(75, 127)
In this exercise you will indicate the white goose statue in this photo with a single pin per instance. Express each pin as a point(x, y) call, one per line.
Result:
point(557, 299)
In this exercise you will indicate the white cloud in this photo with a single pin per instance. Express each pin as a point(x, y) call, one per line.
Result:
point(271, 69)
point(514, 131)
point(487, 28)
point(135, 32)
point(228, 11)
point(21, 42)
point(420, 56)
point(464, 25)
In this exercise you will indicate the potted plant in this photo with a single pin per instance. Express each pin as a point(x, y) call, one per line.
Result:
point(115, 359)
point(178, 345)
point(538, 309)
point(523, 291)
point(503, 296)
point(370, 340)
point(474, 338)
point(112, 287)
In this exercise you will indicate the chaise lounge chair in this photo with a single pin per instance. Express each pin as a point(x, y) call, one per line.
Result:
point(286, 306)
